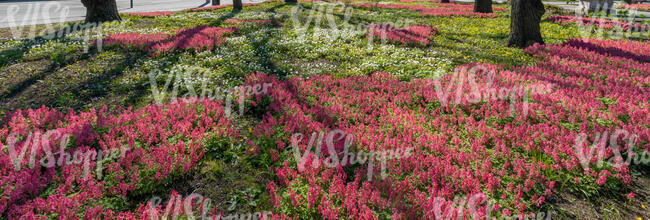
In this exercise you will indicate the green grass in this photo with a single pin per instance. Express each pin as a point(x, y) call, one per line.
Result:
point(60, 74)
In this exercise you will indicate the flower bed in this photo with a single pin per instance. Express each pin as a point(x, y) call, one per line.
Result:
point(412, 35)
point(600, 23)
point(257, 21)
point(198, 38)
point(218, 7)
point(254, 21)
point(515, 154)
point(155, 144)
point(640, 7)
point(149, 14)
point(632, 50)
point(444, 9)
point(422, 1)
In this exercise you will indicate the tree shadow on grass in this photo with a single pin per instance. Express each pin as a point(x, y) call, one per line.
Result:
point(96, 82)
point(100, 85)
point(261, 53)
point(353, 18)
point(74, 94)
point(222, 19)
point(59, 60)
point(19, 51)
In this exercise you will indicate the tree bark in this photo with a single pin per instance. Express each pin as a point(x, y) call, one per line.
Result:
point(237, 5)
point(525, 18)
point(101, 10)
point(483, 6)
point(596, 6)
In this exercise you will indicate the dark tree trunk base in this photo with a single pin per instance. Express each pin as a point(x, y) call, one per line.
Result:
point(524, 23)
point(237, 5)
point(101, 10)
point(483, 6)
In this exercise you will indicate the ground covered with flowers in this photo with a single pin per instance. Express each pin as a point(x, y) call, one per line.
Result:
point(115, 132)
point(640, 7)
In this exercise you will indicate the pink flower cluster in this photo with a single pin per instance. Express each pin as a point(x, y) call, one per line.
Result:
point(412, 35)
point(218, 7)
point(162, 141)
point(149, 14)
point(597, 22)
point(459, 149)
point(640, 7)
point(633, 50)
point(257, 21)
point(421, 1)
point(443, 9)
point(198, 38)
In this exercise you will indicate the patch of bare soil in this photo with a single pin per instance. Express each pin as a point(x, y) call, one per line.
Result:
point(571, 206)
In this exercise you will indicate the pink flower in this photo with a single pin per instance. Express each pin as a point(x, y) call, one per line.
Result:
point(198, 38)
point(442, 9)
point(416, 34)
point(640, 7)
point(599, 23)
point(149, 14)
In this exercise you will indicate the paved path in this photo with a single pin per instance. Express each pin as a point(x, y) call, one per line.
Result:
point(574, 6)
point(29, 12)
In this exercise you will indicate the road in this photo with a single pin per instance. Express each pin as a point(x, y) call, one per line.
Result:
point(30, 12)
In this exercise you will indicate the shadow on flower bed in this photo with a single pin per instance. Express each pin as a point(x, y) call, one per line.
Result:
point(198, 38)
point(634, 51)
point(260, 46)
point(442, 9)
point(517, 154)
point(416, 35)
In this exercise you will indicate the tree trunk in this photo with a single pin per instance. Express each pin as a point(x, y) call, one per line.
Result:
point(444, 1)
point(291, 1)
point(483, 6)
point(237, 5)
point(101, 10)
point(524, 23)
point(593, 5)
point(596, 6)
